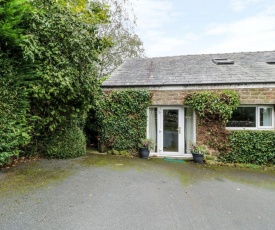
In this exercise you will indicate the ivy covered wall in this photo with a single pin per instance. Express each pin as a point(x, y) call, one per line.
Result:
point(122, 118)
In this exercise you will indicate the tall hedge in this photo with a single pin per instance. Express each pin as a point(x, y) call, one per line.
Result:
point(14, 128)
point(252, 147)
point(122, 118)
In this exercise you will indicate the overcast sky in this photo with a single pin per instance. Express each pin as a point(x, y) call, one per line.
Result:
point(179, 27)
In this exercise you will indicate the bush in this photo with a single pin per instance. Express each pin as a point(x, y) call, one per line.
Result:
point(68, 142)
point(122, 119)
point(14, 128)
point(251, 147)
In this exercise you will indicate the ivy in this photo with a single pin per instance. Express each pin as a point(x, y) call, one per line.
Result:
point(214, 105)
point(214, 109)
point(122, 118)
point(251, 147)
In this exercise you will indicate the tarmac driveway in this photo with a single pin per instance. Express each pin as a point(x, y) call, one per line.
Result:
point(108, 192)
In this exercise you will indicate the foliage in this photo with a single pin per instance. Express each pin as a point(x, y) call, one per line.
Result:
point(64, 50)
point(48, 58)
point(198, 149)
point(147, 143)
point(11, 15)
point(251, 147)
point(14, 104)
point(214, 109)
point(66, 142)
point(122, 118)
point(121, 29)
point(14, 128)
point(214, 105)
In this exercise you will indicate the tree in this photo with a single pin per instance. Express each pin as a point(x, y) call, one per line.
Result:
point(126, 43)
point(14, 104)
point(11, 14)
point(64, 48)
point(48, 54)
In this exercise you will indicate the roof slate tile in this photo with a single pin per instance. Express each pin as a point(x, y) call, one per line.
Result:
point(248, 67)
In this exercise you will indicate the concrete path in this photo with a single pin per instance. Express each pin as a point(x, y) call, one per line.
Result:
point(107, 192)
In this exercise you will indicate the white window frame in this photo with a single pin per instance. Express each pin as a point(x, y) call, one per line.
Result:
point(258, 127)
point(272, 116)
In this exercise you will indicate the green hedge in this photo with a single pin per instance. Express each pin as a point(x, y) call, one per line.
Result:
point(14, 127)
point(251, 147)
point(122, 118)
point(68, 142)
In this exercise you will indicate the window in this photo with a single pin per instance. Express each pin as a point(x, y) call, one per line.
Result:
point(222, 61)
point(252, 117)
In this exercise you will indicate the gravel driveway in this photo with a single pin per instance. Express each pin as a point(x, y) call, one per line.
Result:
point(108, 192)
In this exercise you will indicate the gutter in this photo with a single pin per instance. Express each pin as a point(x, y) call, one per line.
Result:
point(186, 85)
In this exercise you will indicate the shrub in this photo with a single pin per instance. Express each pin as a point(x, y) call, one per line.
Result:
point(122, 118)
point(68, 142)
point(14, 128)
point(251, 147)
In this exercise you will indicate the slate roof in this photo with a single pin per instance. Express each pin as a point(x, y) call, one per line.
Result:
point(248, 67)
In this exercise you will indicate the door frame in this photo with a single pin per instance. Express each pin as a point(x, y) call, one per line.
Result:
point(160, 151)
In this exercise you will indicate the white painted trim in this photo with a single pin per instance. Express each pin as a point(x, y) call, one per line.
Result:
point(215, 87)
point(258, 127)
point(184, 156)
point(180, 135)
point(198, 87)
point(259, 114)
point(195, 126)
point(182, 152)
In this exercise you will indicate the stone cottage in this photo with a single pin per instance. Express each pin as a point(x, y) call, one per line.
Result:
point(173, 125)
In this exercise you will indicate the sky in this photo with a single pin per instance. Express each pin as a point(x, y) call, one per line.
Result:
point(182, 27)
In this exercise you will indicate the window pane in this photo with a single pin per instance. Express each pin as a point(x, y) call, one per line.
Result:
point(243, 117)
point(265, 116)
point(170, 130)
point(188, 129)
point(153, 125)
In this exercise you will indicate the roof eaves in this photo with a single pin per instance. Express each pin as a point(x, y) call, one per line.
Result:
point(186, 85)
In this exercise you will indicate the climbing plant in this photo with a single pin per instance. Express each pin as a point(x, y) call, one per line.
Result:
point(122, 118)
point(214, 109)
point(213, 105)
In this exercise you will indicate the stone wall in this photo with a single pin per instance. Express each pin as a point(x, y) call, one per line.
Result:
point(247, 96)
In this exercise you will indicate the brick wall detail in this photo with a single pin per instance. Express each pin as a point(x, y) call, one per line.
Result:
point(247, 96)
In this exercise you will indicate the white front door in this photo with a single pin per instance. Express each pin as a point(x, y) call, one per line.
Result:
point(171, 131)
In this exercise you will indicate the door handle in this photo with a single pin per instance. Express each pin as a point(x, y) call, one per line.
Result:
point(179, 129)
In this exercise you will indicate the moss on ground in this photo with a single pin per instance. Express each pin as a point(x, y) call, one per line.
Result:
point(31, 176)
point(42, 174)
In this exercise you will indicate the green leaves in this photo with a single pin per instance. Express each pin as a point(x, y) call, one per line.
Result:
point(214, 105)
point(11, 18)
point(251, 147)
point(48, 54)
point(214, 109)
point(14, 128)
point(63, 48)
point(68, 141)
point(122, 118)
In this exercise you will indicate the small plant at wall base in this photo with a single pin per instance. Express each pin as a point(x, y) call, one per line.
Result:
point(214, 109)
point(198, 152)
point(145, 146)
point(122, 118)
point(147, 143)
